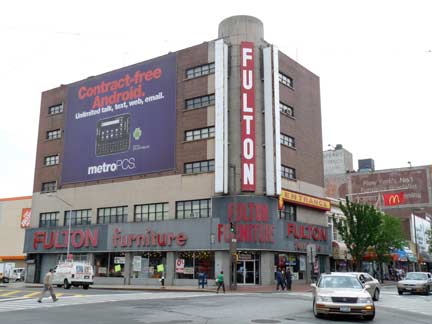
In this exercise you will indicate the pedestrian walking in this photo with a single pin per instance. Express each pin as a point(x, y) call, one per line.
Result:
point(288, 279)
point(279, 279)
point(47, 281)
point(220, 282)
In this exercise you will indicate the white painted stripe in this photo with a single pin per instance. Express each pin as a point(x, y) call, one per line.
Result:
point(268, 122)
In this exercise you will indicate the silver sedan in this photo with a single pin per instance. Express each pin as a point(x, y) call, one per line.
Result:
point(415, 282)
point(342, 294)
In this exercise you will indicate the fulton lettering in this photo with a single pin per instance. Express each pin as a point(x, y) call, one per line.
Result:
point(248, 116)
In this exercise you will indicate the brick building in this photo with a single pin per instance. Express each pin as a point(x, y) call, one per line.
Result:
point(157, 161)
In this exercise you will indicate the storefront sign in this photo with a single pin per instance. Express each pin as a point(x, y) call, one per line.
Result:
point(180, 265)
point(308, 235)
point(58, 239)
point(136, 263)
point(247, 116)
point(119, 260)
point(25, 217)
point(250, 221)
point(304, 200)
point(148, 238)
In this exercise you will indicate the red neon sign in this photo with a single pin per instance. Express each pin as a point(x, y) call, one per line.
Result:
point(247, 92)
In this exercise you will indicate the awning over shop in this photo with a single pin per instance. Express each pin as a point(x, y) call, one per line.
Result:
point(404, 255)
point(425, 257)
point(340, 251)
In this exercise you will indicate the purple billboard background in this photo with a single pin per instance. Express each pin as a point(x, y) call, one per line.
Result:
point(121, 123)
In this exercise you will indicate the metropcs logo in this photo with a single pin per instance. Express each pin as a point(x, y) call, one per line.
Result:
point(247, 117)
point(125, 164)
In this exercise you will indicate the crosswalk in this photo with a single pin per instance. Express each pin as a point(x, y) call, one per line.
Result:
point(23, 303)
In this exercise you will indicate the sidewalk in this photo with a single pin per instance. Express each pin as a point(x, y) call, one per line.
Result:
point(296, 287)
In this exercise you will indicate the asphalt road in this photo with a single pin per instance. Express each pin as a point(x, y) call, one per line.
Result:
point(189, 307)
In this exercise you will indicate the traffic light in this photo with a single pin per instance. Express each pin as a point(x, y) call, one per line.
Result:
point(232, 228)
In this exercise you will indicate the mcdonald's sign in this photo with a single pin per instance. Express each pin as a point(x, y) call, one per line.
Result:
point(394, 199)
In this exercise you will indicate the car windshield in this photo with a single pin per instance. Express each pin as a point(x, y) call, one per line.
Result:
point(416, 276)
point(339, 282)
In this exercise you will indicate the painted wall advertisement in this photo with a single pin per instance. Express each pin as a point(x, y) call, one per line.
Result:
point(121, 123)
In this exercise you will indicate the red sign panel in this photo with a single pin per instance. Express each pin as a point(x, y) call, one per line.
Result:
point(25, 217)
point(393, 199)
point(247, 92)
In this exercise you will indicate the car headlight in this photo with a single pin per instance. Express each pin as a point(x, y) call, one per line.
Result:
point(365, 300)
point(323, 299)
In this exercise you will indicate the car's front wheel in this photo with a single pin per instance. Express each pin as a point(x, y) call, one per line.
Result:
point(427, 290)
point(400, 292)
point(67, 285)
point(369, 317)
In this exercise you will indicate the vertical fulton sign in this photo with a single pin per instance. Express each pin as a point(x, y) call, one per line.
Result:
point(247, 117)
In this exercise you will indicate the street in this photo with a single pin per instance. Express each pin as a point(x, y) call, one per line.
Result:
point(104, 306)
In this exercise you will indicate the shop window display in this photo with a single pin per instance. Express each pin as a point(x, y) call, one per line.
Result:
point(145, 264)
point(194, 264)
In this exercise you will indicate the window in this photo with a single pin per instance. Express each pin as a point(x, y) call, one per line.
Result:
point(151, 212)
point(112, 215)
point(48, 219)
point(51, 160)
point(49, 186)
point(200, 102)
point(285, 80)
point(79, 217)
point(57, 109)
point(201, 70)
point(196, 263)
point(53, 134)
point(193, 208)
point(287, 140)
point(286, 110)
point(289, 212)
point(287, 172)
point(199, 167)
point(201, 133)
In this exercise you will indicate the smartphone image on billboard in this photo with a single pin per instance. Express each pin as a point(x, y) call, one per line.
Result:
point(113, 135)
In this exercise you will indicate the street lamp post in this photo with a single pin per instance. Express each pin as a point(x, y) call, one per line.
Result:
point(70, 221)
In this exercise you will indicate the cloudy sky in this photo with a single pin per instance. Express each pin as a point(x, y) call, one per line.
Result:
point(374, 59)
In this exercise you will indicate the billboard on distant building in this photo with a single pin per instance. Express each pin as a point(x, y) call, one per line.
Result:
point(121, 123)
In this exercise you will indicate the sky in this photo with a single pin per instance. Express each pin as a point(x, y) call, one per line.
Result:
point(374, 60)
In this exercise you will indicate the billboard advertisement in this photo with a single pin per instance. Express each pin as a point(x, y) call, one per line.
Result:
point(121, 123)
point(413, 183)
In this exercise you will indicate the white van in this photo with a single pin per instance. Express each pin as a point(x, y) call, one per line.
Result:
point(75, 274)
point(17, 274)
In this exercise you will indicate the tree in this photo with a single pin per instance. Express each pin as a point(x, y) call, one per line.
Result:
point(429, 239)
point(390, 236)
point(360, 228)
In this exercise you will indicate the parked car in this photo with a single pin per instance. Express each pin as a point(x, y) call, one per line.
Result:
point(419, 282)
point(342, 294)
point(75, 274)
point(375, 286)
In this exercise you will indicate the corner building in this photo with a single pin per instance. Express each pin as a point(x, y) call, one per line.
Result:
point(155, 163)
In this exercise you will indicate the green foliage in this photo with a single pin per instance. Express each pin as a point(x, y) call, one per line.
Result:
point(389, 236)
point(360, 229)
point(429, 239)
point(367, 227)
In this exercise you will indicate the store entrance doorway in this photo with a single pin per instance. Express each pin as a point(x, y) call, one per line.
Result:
point(246, 272)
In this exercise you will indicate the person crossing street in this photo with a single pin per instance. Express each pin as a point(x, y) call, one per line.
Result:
point(47, 281)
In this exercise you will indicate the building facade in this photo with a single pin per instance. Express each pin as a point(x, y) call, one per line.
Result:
point(15, 215)
point(405, 193)
point(202, 160)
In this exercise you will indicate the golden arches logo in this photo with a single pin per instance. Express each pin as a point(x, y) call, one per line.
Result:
point(394, 200)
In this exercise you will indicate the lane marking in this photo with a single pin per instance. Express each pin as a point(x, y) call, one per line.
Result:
point(11, 293)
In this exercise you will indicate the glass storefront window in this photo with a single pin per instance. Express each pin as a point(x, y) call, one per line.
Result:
point(145, 264)
point(292, 261)
point(195, 263)
point(101, 264)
